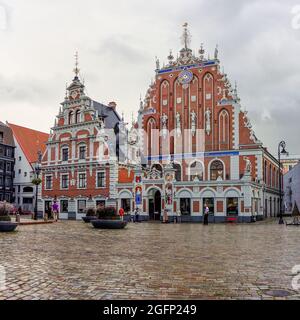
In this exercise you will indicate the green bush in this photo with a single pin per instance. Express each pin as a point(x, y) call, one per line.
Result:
point(107, 213)
point(90, 212)
point(5, 218)
point(5, 209)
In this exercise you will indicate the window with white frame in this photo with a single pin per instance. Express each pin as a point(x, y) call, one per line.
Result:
point(65, 154)
point(81, 206)
point(101, 179)
point(82, 180)
point(48, 182)
point(82, 152)
point(64, 181)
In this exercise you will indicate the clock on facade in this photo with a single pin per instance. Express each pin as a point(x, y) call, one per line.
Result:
point(185, 77)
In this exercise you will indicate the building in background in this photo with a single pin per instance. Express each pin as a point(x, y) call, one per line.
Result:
point(81, 162)
point(288, 162)
point(198, 147)
point(28, 143)
point(7, 160)
point(291, 184)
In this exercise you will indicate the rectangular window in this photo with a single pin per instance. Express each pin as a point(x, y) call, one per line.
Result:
point(1, 165)
point(64, 181)
point(1, 181)
point(81, 206)
point(100, 203)
point(65, 154)
point(64, 204)
point(1, 137)
point(1, 151)
point(8, 166)
point(8, 182)
point(48, 185)
point(82, 180)
point(82, 152)
point(9, 152)
point(101, 180)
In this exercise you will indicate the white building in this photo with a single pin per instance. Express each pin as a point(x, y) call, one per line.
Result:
point(28, 143)
point(291, 184)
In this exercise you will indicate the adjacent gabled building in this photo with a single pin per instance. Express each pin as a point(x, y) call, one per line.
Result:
point(28, 143)
point(81, 162)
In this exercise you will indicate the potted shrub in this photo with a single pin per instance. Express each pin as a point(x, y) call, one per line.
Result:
point(107, 218)
point(90, 215)
point(6, 224)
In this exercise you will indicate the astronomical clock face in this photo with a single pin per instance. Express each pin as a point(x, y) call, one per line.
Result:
point(185, 77)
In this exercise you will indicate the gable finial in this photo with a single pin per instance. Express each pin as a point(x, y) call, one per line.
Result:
point(76, 69)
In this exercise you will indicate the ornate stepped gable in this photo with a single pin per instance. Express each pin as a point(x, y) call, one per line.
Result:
point(191, 92)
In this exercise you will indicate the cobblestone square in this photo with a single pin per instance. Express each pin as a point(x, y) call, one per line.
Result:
point(71, 260)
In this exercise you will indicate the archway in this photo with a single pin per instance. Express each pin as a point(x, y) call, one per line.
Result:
point(154, 204)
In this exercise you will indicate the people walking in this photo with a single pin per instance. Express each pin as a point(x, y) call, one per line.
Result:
point(206, 213)
point(55, 209)
point(178, 213)
point(121, 213)
point(136, 215)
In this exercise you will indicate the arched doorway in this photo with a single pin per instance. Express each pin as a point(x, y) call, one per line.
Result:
point(154, 204)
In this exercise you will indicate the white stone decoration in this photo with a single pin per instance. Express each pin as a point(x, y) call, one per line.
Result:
point(193, 122)
point(178, 100)
point(178, 124)
point(165, 102)
point(164, 120)
point(193, 98)
point(208, 96)
point(207, 122)
point(248, 166)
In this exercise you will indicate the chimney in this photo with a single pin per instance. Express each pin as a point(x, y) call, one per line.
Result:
point(112, 105)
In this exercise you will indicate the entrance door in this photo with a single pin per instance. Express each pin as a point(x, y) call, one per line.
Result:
point(48, 207)
point(151, 209)
point(185, 206)
point(125, 204)
point(157, 205)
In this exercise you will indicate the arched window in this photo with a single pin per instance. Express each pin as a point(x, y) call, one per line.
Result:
point(70, 120)
point(196, 171)
point(216, 170)
point(157, 166)
point(270, 176)
point(77, 116)
point(224, 130)
point(177, 167)
point(28, 189)
point(151, 126)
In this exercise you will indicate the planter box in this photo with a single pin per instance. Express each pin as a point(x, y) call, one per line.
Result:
point(108, 224)
point(89, 219)
point(7, 226)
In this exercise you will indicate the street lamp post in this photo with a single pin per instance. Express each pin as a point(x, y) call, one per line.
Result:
point(281, 150)
point(37, 171)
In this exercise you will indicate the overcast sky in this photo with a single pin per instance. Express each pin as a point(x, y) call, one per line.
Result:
point(117, 41)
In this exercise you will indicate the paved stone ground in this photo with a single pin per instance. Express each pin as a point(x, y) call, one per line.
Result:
point(71, 260)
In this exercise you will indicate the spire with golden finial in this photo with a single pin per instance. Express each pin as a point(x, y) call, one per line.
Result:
point(76, 69)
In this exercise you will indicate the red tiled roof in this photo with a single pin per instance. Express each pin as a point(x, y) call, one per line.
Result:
point(30, 141)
